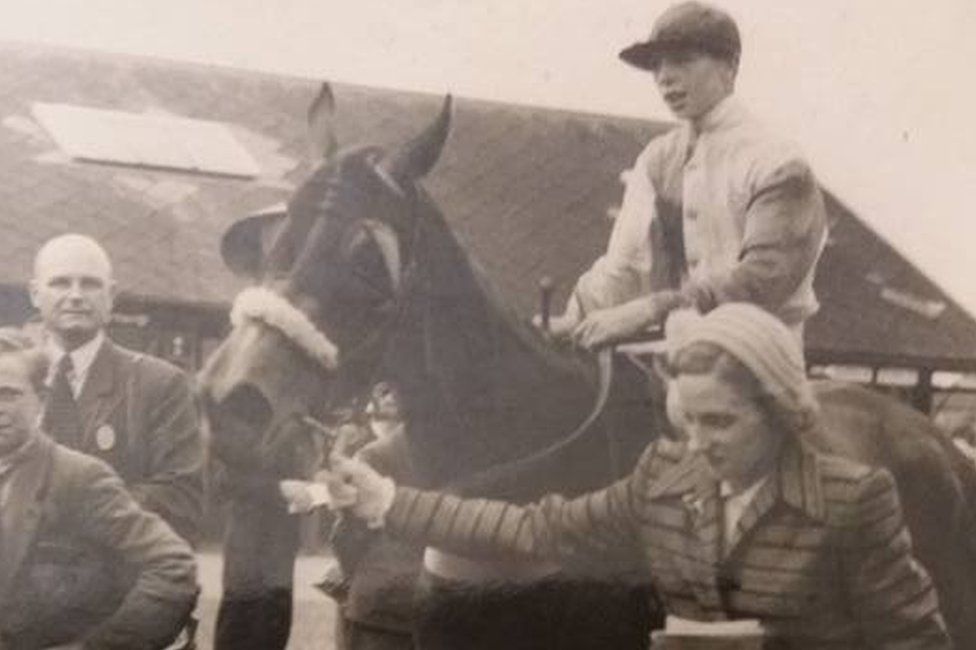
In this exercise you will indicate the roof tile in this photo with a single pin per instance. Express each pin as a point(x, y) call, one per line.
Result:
point(526, 189)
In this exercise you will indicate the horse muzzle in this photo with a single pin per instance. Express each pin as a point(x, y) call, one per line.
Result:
point(256, 378)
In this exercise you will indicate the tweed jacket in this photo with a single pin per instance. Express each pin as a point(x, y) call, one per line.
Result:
point(82, 560)
point(138, 415)
point(821, 555)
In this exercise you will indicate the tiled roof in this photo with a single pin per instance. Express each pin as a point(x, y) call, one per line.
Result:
point(857, 323)
point(526, 189)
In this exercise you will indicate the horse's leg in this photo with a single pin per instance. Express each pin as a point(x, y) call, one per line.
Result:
point(353, 635)
point(259, 558)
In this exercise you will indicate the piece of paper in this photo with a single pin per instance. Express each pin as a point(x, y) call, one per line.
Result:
point(677, 626)
point(319, 495)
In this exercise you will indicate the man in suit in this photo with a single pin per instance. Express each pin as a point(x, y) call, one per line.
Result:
point(81, 563)
point(131, 410)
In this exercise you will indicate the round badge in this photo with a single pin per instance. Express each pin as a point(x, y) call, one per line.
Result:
point(105, 437)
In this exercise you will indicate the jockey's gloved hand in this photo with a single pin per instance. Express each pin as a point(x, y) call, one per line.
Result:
point(605, 326)
point(356, 486)
point(560, 327)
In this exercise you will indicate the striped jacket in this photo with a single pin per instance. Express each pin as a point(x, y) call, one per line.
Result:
point(821, 555)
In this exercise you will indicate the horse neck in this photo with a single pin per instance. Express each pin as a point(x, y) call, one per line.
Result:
point(479, 387)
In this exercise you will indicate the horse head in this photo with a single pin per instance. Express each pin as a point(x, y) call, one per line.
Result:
point(329, 274)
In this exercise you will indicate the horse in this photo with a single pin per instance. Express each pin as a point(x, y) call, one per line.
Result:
point(400, 302)
point(362, 280)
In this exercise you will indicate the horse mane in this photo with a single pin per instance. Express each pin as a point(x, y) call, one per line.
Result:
point(481, 386)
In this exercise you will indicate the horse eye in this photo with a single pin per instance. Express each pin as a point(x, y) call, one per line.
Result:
point(366, 263)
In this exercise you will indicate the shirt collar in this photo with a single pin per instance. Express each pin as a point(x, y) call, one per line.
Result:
point(728, 111)
point(796, 479)
point(81, 357)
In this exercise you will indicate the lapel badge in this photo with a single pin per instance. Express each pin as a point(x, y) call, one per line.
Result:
point(105, 437)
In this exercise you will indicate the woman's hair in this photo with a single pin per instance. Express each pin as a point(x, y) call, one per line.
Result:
point(702, 358)
point(14, 343)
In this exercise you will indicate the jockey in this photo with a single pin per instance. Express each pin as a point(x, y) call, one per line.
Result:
point(716, 210)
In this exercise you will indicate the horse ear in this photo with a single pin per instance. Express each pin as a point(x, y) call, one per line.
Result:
point(322, 141)
point(245, 243)
point(418, 156)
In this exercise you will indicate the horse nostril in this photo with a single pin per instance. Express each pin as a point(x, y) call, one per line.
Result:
point(247, 404)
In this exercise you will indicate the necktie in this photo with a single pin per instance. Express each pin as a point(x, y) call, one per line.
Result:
point(691, 144)
point(62, 419)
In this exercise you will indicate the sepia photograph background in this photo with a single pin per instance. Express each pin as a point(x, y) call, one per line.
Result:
point(879, 95)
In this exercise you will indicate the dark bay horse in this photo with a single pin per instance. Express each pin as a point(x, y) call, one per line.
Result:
point(362, 280)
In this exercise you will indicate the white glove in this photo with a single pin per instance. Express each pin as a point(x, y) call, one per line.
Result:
point(355, 485)
point(300, 496)
point(628, 319)
point(561, 326)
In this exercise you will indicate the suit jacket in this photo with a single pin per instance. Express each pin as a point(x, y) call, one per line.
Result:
point(138, 415)
point(81, 559)
point(821, 555)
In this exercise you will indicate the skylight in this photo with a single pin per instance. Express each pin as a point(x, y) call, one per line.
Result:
point(144, 140)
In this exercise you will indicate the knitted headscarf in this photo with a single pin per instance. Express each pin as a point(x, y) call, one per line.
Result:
point(758, 340)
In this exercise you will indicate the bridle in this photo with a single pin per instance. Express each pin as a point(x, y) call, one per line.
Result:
point(272, 310)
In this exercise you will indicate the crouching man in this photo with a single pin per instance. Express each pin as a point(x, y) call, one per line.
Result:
point(82, 565)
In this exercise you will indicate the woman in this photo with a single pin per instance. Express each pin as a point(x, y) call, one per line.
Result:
point(742, 521)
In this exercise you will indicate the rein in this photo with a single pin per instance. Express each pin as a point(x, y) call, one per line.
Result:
point(275, 311)
point(605, 361)
point(604, 382)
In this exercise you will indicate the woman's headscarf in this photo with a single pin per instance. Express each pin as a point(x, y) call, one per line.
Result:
point(758, 340)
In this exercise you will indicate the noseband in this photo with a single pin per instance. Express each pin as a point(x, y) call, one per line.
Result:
point(274, 311)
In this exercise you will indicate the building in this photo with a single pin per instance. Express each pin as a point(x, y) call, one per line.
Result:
point(530, 192)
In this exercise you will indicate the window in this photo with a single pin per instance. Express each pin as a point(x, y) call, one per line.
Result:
point(144, 140)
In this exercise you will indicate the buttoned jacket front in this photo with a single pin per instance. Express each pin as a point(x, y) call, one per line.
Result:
point(138, 415)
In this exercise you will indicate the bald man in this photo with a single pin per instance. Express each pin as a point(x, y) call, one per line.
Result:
point(131, 410)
